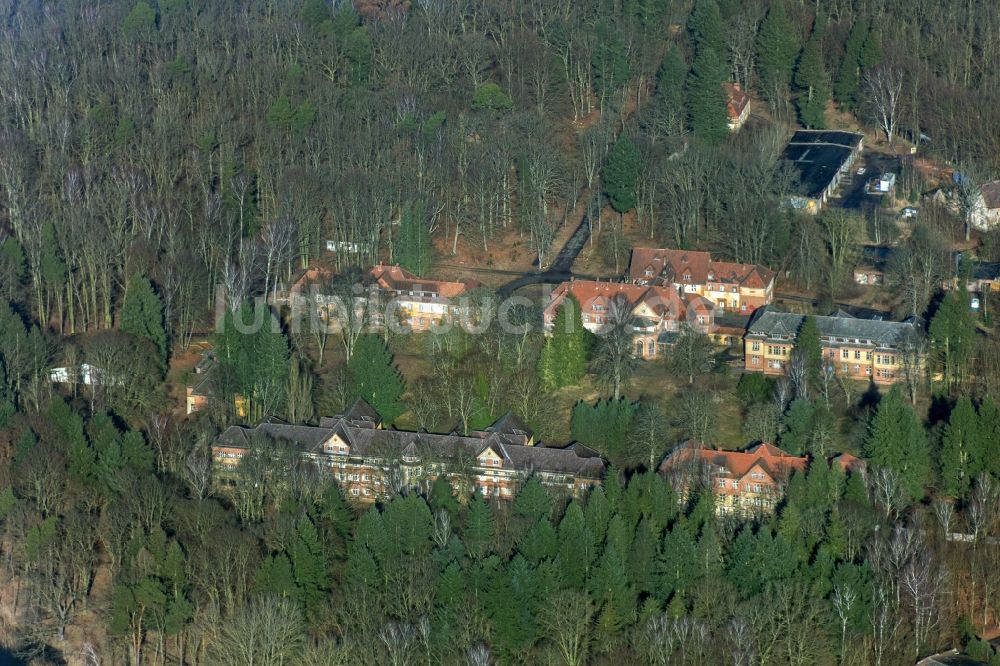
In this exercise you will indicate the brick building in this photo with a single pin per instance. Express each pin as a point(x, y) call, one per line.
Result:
point(658, 311)
point(731, 287)
point(743, 482)
point(371, 462)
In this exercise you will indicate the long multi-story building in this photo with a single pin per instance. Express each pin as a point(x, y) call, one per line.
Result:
point(731, 287)
point(371, 462)
point(657, 311)
point(864, 349)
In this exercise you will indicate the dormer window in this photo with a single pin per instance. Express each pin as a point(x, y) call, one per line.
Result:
point(687, 277)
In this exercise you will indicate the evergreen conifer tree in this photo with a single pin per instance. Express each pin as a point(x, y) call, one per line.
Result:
point(620, 175)
point(812, 83)
point(413, 249)
point(953, 333)
point(142, 315)
point(989, 435)
point(896, 440)
point(848, 80)
point(372, 377)
point(961, 455)
point(564, 355)
point(776, 51)
point(479, 529)
point(707, 97)
point(705, 26)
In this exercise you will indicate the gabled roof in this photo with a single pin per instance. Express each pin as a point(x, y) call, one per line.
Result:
point(737, 100)
point(368, 442)
point(394, 278)
point(509, 424)
point(362, 411)
point(673, 265)
point(769, 322)
point(737, 464)
point(664, 301)
point(848, 463)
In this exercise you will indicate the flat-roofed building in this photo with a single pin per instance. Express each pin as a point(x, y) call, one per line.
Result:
point(821, 158)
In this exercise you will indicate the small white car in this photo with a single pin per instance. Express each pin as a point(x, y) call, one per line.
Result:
point(861, 171)
point(908, 212)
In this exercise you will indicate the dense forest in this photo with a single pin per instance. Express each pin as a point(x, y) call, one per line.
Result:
point(156, 154)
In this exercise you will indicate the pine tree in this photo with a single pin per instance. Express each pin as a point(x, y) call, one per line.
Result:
point(253, 357)
point(849, 75)
point(642, 556)
point(961, 456)
point(564, 355)
point(953, 333)
point(443, 496)
point(871, 51)
point(705, 26)
point(413, 249)
point(309, 564)
point(670, 78)
point(539, 543)
point(989, 434)
point(896, 440)
point(776, 51)
point(372, 377)
point(533, 502)
point(798, 426)
point(479, 529)
point(707, 97)
point(274, 577)
point(142, 315)
point(620, 175)
point(613, 594)
point(808, 344)
point(677, 568)
point(576, 551)
point(812, 83)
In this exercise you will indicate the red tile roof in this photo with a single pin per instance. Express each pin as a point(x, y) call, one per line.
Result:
point(737, 100)
point(848, 463)
point(698, 265)
point(736, 464)
point(663, 301)
point(394, 278)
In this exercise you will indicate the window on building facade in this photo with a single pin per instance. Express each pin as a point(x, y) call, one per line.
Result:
point(845, 354)
point(755, 360)
point(755, 346)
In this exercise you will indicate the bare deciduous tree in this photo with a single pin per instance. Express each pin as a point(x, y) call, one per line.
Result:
point(882, 89)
